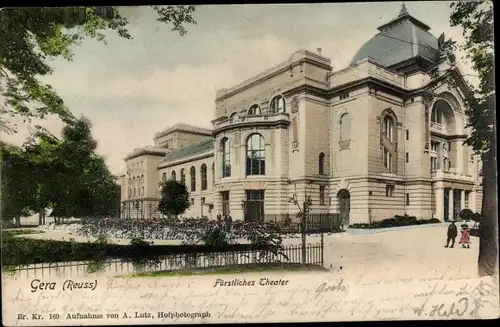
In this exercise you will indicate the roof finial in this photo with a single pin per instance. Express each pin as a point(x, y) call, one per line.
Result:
point(403, 10)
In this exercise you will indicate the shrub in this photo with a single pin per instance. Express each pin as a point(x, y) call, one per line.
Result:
point(476, 217)
point(19, 251)
point(397, 221)
point(217, 238)
point(465, 214)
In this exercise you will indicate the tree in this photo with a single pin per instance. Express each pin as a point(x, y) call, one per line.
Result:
point(31, 37)
point(174, 198)
point(17, 183)
point(476, 20)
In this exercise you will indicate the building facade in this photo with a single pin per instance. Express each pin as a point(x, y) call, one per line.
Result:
point(380, 138)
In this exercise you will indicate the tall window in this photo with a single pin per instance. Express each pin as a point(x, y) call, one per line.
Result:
point(389, 190)
point(183, 176)
point(256, 155)
point(213, 173)
point(143, 191)
point(294, 130)
point(345, 127)
point(407, 134)
point(254, 110)
point(163, 177)
point(321, 163)
point(174, 177)
point(388, 160)
point(434, 163)
point(254, 205)
point(192, 172)
point(407, 199)
point(467, 195)
point(407, 157)
point(436, 116)
point(322, 195)
point(277, 104)
point(388, 127)
point(225, 203)
point(226, 157)
point(203, 177)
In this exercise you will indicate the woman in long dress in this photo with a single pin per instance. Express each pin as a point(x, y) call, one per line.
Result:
point(465, 237)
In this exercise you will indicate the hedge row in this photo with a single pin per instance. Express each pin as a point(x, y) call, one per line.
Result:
point(19, 250)
point(397, 221)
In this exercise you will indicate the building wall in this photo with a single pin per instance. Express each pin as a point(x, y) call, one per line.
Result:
point(196, 209)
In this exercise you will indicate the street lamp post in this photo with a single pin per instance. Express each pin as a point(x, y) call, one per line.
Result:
point(303, 211)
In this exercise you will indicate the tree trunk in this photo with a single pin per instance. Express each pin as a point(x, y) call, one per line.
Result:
point(488, 227)
point(18, 221)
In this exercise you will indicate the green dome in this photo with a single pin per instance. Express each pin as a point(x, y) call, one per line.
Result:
point(402, 39)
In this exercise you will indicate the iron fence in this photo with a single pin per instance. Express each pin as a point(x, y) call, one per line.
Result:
point(290, 254)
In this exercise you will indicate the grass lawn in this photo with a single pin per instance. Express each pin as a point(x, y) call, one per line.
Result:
point(235, 270)
point(17, 232)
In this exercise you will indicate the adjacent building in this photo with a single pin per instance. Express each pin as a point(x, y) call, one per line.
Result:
point(381, 137)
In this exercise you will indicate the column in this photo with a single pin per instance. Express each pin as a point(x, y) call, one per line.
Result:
point(450, 205)
point(472, 201)
point(439, 214)
point(462, 199)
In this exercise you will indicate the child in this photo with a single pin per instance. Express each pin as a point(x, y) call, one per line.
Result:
point(465, 237)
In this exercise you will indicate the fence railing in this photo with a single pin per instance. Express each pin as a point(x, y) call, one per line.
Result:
point(290, 254)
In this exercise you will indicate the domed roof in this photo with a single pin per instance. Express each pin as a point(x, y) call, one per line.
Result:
point(400, 40)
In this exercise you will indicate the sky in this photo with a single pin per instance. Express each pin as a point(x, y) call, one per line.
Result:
point(131, 89)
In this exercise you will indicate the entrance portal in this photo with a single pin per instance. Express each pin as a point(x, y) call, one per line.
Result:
point(344, 198)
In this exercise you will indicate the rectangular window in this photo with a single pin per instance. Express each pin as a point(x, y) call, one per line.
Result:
point(407, 134)
point(407, 199)
point(322, 195)
point(407, 157)
point(389, 190)
point(254, 205)
point(434, 163)
point(192, 201)
point(225, 203)
point(387, 160)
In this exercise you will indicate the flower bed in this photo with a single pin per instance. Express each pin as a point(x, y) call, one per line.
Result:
point(397, 221)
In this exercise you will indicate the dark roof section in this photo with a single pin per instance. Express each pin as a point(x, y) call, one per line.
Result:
point(190, 151)
point(400, 40)
point(152, 151)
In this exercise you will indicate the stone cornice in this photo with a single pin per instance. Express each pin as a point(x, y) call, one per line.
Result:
point(278, 123)
point(280, 69)
point(145, 152)
point(184, 160)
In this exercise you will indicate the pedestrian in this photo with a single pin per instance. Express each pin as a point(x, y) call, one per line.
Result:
point(465, 237)
point(452, 234)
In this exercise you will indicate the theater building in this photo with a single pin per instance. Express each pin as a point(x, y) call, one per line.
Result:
point(381, 137)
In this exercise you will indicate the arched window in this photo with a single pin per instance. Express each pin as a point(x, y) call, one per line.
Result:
point(164, 177)
point(142, 179)
point(203, 177)
point(183, 176)
point(345, 127)
point(192, 172)
point(294, 130)
point(388, 127)
point(256, 155)
point(226, 157)
point(213, 173)
point(321, 163)
point(254, 110)
point(174, 177)
point(436, 115)
point(277, 104)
